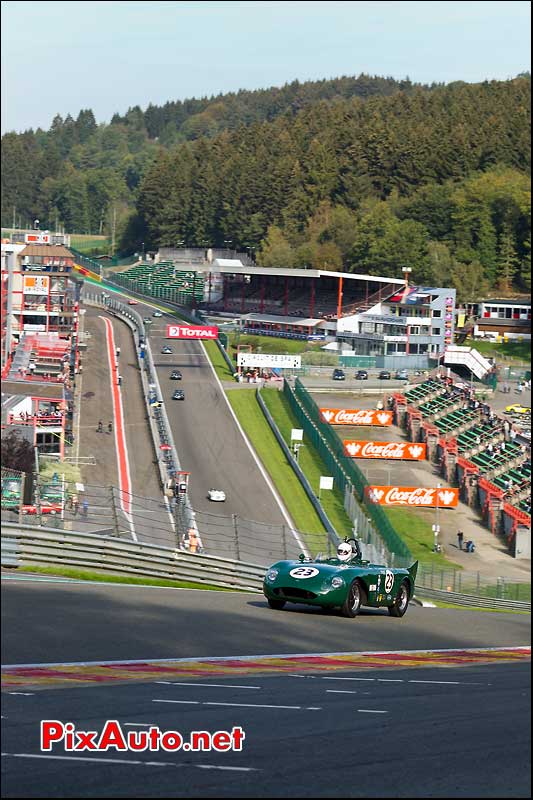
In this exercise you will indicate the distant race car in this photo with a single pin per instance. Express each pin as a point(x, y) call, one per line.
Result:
point(518, 408)
point(216, 495)
point(345, 581)
point(166, 350)
point(54, 508)
point(157, 314)
point(179, 394)
point(133, 302)
point(175, 375)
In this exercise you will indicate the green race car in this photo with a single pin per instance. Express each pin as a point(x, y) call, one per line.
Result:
point(345, 581)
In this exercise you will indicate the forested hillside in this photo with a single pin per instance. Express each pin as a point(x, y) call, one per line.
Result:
point(363, 174)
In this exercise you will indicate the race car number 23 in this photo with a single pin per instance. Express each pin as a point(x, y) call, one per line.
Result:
point(389, 581)
point(303, 572)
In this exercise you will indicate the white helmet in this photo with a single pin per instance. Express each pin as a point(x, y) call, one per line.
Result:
point(344, 551)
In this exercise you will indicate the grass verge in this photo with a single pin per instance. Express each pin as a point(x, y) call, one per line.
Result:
point(218, 361)
point(87, 575)
point(258, 431)
point(309, 461)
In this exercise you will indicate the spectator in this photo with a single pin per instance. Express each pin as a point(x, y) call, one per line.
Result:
point(460, 537)
point(100, 428)
point(110, 427)
point(85, 507)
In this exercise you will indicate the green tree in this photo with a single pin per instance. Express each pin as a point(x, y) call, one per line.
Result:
point(275, 250)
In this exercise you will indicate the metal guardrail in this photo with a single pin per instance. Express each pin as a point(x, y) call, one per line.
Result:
point(24, 545)
point(472, 600)
point(46, 546)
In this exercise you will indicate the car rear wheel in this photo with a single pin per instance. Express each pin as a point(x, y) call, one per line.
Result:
point(277, 605)
point(354, 600)
point(399, 607)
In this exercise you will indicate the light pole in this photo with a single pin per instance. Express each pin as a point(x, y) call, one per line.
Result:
point(436, 526)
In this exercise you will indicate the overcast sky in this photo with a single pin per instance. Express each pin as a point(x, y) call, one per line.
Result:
point(106, 55)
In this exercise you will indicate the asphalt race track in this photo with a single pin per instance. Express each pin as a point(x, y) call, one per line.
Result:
point(381, 731)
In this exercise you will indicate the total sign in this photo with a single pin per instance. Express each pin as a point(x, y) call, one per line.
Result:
point(192, 332)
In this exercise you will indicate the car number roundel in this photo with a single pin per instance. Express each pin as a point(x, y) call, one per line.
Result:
point(303, 572)
point(389, 581)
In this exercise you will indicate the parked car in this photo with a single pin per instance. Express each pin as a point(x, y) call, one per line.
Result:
point(175, 375)
point(46, 508)
point(345, 581)
point(384, 375)
point(517, 408)
point(166, 350)
point(338, 375)
point(361, 375)
point(179, 394)
point(216, 495)
point(402, 375)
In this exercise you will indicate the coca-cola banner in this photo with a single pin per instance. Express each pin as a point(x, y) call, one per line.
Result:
point(192, 332)
point(357, 416)
point(412, 451)
point(412, 496)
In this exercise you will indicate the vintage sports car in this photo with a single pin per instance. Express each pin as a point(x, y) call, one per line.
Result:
point(216, 495)
point(345, 581)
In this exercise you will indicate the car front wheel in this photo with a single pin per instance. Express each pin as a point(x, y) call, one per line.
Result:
point(399, 607)
point(277, 605)
point(354, 600)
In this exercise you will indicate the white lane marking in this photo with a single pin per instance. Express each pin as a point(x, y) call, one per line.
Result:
point(451, 683)
point(331, 678)
point(370, 711)
point(24, 694)
point(229, 769)
point(340, 691)
point(182, 702)
point(139, 724)
point(218, 685)
point(252, 705)
point(169, 512)
point(239, 705)
point(255, 457)
point(390, 680)
point(127, 761)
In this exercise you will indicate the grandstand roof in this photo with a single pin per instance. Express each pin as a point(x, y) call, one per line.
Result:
point(295, 273)
point(279, 319)
point(46, 250)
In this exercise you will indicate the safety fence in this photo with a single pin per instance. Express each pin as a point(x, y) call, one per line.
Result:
point(347, 475)
point(25, 546)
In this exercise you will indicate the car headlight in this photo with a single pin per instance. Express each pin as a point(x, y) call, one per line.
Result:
point(337, 582)
point(272, 574)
